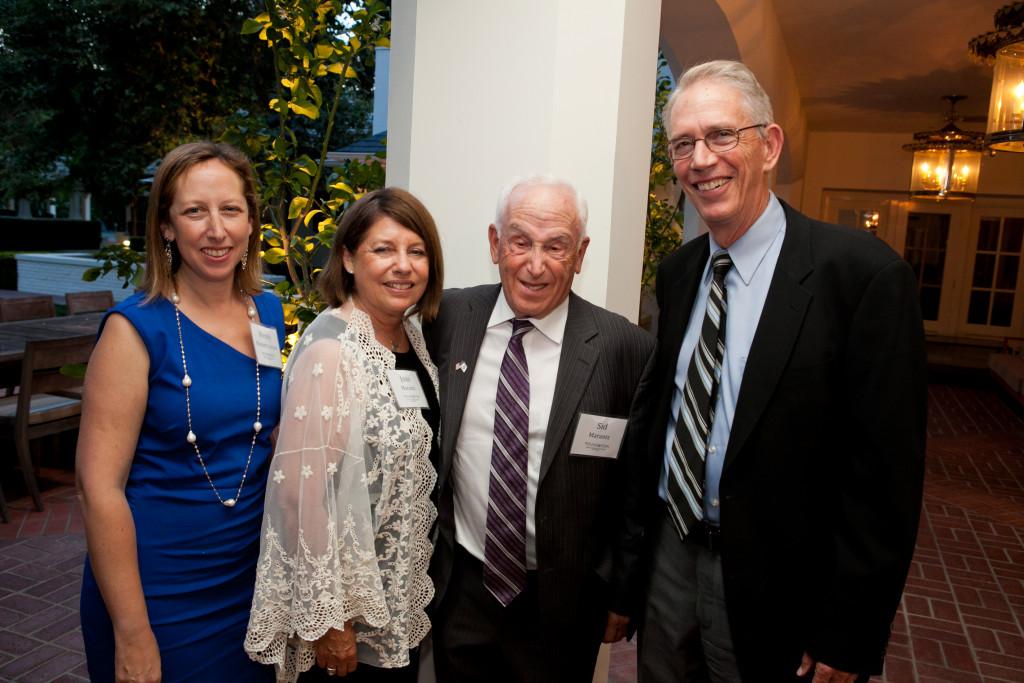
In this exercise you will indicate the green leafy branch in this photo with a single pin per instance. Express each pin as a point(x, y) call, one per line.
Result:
point(127, 263)
point(664, 229)
point(315, 46)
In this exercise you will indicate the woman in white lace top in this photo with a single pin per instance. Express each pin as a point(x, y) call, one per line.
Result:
point(342, 577)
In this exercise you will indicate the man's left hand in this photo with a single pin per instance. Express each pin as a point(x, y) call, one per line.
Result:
point(615, 630)
point(823, 673)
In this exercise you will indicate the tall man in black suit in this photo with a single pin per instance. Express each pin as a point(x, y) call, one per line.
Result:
point(774, 520)
point(525, 513)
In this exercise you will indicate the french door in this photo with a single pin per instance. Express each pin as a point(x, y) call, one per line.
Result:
point(967, 257)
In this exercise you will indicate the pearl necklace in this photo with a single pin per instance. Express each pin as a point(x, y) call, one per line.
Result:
point(186, 382)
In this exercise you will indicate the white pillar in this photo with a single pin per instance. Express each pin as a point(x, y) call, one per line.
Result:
point(381, 69)
point(75, 205)
point(482, 92)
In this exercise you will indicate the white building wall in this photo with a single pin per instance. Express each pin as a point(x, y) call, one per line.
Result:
point(481, 93)
point(58, 274)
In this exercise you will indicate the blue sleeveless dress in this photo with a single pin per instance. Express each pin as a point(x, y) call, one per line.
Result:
point(197, 558)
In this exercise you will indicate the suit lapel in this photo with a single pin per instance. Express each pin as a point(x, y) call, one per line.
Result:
point(680, 294)
point(676, 293)
point(575, 365)
point(467, 335)
point(777, 331)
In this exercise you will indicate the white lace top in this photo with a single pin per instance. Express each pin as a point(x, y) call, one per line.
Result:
point(348, 505)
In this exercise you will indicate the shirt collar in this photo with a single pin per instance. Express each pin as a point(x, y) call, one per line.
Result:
point(551, 326)
point(748, 252)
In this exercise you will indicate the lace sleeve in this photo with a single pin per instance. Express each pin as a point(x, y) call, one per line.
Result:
point(318, 565)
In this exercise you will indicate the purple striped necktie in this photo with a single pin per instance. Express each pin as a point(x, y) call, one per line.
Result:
point(505, 547)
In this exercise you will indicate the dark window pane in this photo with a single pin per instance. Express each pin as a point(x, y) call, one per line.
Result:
point(984, 270)
point(927, 229)
point(988, 235)
point(847, 217)
point(936, 233)
point(930, 303)
point(1007, 278)
point(977, 312)
point(1013, 231)
point(1002, 309)
point(934, 262)
point(915, 236)
point(926, 252)
point(913, 257)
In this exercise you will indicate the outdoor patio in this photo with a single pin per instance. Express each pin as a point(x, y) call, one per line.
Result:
point(961, 618)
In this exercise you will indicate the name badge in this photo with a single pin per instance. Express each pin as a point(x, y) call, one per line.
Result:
point(264, 340)
point(405, 384)
point(598, 436)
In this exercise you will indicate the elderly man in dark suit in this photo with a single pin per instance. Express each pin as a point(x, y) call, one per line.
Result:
point(774, 520)
point(536, 386)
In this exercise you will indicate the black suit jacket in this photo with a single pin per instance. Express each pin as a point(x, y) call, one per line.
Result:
point(822, 481)
point(578, 498)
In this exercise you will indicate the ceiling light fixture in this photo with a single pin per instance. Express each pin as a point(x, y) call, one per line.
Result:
point(947, 161)
point(1004, 48)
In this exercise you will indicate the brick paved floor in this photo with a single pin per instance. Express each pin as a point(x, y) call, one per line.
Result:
point(963, 607)
point(40, 575)
point(960, 620)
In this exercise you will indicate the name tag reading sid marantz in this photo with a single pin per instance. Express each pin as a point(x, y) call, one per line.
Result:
point(598, 436)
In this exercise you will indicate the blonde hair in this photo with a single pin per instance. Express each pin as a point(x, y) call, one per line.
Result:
point(159, 279)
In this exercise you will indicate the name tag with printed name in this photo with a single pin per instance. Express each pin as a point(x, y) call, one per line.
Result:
point(598, 436)
point(405, 384)
point(264, 341)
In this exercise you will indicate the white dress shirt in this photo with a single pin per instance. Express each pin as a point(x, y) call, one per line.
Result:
point(471, 468)
point(754, 256)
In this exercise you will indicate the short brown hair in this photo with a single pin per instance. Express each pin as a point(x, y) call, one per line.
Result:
point(158, 280)
point(336, 284)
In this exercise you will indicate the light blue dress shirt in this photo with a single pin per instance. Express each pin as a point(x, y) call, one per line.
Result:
point(754, 256)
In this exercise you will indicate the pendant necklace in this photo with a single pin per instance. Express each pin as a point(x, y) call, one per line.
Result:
point(186, 382)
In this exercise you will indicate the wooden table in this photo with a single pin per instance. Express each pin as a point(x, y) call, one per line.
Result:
point(13, 336)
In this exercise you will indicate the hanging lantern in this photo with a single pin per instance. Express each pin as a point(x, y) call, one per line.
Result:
point(947, 161)
point(1004, 48)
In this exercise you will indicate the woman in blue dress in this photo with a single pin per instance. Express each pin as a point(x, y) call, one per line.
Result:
point(181, 398)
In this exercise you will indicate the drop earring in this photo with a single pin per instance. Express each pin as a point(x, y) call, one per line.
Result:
point(170, 257)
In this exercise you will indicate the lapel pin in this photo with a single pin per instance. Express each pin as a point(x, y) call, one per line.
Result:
point(461, 366)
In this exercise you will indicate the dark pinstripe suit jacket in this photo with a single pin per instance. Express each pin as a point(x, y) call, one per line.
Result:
point(578, 498)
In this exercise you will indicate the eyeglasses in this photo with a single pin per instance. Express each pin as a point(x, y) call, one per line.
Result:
point(717, 141)
point(557, 249)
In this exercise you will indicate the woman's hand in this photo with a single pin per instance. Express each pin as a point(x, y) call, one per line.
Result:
point(336, 651)
point(137, 658)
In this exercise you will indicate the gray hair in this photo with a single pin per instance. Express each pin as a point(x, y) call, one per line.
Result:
point(582, 212)
point(735, 74)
